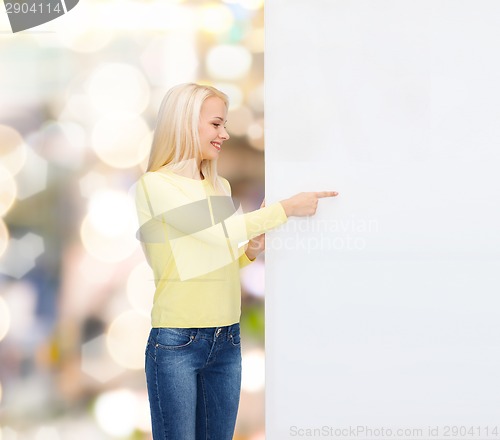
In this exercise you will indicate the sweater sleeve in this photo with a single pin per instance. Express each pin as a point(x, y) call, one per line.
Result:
point(244, 260)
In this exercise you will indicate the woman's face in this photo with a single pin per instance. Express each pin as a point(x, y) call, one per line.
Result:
point(211, 127)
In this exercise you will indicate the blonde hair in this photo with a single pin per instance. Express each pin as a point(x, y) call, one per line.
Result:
point(176, 140)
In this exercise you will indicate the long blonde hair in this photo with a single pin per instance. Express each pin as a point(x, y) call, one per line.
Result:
point(176, 140)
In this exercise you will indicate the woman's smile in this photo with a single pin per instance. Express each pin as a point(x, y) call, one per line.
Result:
point(217, 145)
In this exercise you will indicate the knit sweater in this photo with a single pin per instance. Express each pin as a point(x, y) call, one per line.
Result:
point(194, 239)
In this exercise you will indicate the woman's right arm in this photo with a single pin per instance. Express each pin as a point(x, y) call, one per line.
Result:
point(167, 213)
point(160, 205)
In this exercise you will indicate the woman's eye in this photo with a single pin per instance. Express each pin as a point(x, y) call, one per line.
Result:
point(216, 125)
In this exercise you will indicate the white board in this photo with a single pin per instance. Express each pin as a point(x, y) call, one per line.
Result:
point(383, 309)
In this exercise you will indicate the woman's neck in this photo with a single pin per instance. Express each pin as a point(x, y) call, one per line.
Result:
point(191, 170)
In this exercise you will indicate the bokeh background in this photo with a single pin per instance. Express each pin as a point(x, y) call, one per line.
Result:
point(78, 103)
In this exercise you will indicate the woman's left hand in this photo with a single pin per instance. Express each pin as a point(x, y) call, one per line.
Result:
point(257, 244)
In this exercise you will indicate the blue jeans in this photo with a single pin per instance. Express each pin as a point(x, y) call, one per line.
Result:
point(193, 378)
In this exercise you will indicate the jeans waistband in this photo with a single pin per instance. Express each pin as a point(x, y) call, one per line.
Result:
point(208, 331)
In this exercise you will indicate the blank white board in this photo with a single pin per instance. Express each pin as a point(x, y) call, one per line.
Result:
point(383, 309)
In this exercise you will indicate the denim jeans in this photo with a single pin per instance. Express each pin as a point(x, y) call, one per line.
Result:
point(194, 378)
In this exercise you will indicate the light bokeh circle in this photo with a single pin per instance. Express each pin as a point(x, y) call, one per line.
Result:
point(215, 18)
point(126, 337)
point(253, 379)
point(115, 412)
point(122, 143)
point(82, 31)
point(112, 212)
point(117, 90)
point(228, 61)
point(109, 249)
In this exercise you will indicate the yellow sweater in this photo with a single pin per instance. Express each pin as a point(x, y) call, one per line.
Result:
point(194, 240)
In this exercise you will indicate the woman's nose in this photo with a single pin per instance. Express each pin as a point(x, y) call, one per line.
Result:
point(224, 134)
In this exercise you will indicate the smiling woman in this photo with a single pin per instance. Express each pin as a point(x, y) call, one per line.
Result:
point(191, 235)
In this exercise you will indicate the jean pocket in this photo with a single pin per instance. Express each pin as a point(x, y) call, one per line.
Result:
point(234, 337)
point(174, 338)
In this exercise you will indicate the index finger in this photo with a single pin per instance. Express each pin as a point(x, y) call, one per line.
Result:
point(321, 194)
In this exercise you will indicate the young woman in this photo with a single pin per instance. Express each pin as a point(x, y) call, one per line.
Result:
point(192, 234)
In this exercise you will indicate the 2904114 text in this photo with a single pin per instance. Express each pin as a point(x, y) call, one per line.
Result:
point(458, 432)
